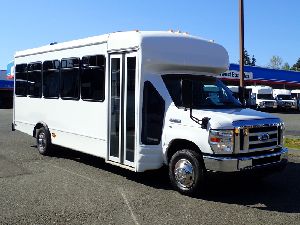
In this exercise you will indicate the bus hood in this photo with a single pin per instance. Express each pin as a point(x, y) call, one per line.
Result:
point(230, 118)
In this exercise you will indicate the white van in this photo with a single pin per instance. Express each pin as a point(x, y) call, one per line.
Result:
point(296, 96)
point(284, 99)
point(262, 97)
point(141, 100)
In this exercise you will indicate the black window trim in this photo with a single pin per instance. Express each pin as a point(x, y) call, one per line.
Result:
point(59, 77)
point(93, 67)
point(17, 95)
point(41, 70)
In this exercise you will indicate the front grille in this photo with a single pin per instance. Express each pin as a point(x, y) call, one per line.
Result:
point(262, 145)
point(259, 138)
point(270, 104)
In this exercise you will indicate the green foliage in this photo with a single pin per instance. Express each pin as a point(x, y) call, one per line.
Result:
point(293, 143)
point(286, 66)
point(275, 62)
point(296, 66)
point(247, 60)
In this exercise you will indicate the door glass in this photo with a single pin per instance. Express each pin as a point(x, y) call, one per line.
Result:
point(115, 107)
point(130, 109)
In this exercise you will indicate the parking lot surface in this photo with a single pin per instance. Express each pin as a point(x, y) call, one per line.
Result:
point(291, 119)
point(74, 188)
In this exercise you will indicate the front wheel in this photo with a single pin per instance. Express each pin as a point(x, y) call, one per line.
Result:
point(186, 171)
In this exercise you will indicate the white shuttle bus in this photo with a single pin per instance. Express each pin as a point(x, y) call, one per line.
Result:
point(262, 97)
point(142, 100)
point(284, 99)
point(296, 96)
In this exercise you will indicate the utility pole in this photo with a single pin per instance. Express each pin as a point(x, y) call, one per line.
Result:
point(241, 34)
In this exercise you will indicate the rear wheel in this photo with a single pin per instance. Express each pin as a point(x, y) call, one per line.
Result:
point(43, 141)
point(186, 171)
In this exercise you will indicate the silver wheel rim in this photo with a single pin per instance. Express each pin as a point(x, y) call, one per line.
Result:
point(41, 141)
point(184, 173)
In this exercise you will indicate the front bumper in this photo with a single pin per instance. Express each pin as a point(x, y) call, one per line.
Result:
point(285, 106)
point(241, 163)
point(267, 107)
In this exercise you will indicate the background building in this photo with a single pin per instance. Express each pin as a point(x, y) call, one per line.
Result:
point(262, 76)
point(6, 88)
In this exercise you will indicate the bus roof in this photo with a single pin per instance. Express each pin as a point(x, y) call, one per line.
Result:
point(161, 50)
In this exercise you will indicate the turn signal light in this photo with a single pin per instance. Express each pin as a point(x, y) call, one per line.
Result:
point(215, 139)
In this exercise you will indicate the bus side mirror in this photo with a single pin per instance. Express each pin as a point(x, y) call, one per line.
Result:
point(187, 93)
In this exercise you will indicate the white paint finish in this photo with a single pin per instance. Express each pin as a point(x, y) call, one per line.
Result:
point(65, 46)
point(260, 89)
point(234, 89)
point(297, 91)
point(78, 125)
point(281, 92)
point(83, 126)
point(160, 54)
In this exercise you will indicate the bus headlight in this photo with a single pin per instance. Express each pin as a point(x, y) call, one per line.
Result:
point(221, 141)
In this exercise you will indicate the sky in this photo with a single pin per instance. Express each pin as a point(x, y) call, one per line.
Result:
point(271, 26)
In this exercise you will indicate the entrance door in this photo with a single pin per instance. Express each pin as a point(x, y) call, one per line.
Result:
point(122, 108)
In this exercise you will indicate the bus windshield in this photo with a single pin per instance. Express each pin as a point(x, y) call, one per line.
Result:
point(284, 97)
point(265, 96)
point(208, 92)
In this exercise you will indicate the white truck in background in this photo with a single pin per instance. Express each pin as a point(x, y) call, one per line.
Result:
point(284, 99)
point(296, 96)
point(262, 97)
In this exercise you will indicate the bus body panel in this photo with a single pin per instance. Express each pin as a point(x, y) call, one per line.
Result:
point(76, 124)
point(86, 126)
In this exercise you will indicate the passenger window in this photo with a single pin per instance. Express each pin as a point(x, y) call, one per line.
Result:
point(34, 79)
point(93, 78)
point(70, 78)
point(51, 79)
point(21, 80)
point(152, 115)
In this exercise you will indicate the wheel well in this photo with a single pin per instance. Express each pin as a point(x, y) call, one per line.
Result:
point(179, 144)
point(38, 126)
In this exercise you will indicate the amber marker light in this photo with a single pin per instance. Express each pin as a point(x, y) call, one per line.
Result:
point(236, 131)
point(215, 139)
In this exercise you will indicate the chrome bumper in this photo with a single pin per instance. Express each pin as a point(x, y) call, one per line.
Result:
point(240, 163)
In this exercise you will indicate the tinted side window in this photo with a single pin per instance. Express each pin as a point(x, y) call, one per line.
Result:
point(93, 78)
point(153, 115)
point(34, 77)
point(51, 79)
point(174, 87)
point(21, 80)
point(70, 78)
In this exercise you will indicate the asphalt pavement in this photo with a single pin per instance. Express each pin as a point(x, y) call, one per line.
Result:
point(74, 188)
point(291, 120)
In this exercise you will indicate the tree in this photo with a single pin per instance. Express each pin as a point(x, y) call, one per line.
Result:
point(275, 62)
point(253, 61)
point(247, 60)
point(296, 66)
point(286, 66)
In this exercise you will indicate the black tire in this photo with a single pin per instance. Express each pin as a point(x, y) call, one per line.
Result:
point(43, 141)
point(186, 172)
